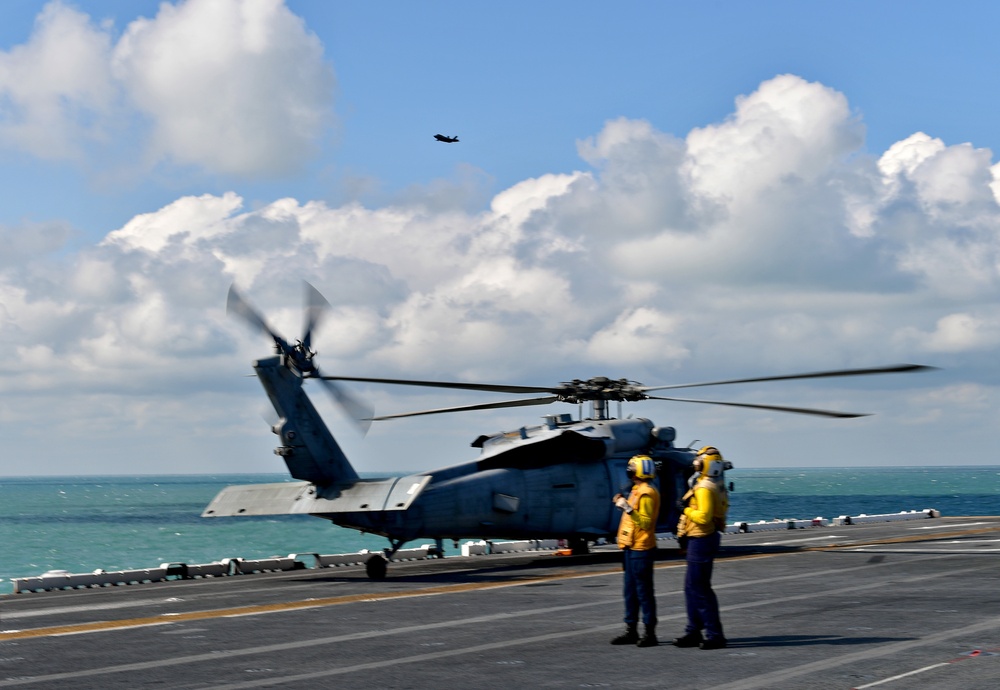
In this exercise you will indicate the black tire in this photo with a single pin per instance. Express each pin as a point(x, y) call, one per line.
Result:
point(376, 567)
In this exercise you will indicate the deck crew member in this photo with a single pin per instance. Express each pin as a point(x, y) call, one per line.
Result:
point(637, 540)
point(703, 519)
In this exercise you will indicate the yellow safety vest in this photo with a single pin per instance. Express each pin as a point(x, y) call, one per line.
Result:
point(687, 527)
point(630, 534)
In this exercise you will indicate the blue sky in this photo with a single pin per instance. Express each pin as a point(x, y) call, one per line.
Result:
point(525, 81)
point(660, 191)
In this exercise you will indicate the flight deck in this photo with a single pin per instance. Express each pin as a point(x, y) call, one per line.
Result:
point(912, 604)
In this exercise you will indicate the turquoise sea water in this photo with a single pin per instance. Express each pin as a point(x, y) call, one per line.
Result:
point(84, 523)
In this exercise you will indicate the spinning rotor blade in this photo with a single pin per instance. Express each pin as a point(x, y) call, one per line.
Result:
point(237, 306)
point(484, 406)
point(778, 408)
point(360, 412)
point(489, 387)
point(300, 357)
point(316, 308)
point(892, 369)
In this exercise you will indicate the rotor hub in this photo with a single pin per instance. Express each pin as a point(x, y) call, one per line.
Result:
point(600, 388)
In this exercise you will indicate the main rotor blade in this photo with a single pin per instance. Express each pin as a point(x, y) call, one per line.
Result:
point(316, 307)
point(237, 306)
point(892, 369)
point(360, 412)
point(484, 406)
point(489, 387)
point(778, 408)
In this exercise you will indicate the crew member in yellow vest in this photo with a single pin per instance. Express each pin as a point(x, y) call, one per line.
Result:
point(637, 540)
point(701, 524)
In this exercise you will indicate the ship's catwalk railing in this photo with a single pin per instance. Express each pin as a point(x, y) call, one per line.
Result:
point(62, 579)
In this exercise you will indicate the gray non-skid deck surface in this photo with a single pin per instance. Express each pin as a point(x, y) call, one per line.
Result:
point(900, 605)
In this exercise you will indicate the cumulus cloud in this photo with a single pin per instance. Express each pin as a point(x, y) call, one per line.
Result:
point(938, 203)
point(651, 335)
point(958, 332)
point(766, 243)
point(788, 131)
point(56, 90)
point(758, 251)
point(228, 86)
point(776, 193)
point(236, 86)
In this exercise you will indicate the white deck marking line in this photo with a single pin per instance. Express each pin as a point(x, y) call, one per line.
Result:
point(941, 548)
point(264, 682)
point(962, 524)
point(768, 680)
point(156, 620)
point(901, 675)
point(278, 647)
point(284, 646)
point(11, 615)
point(796, 541)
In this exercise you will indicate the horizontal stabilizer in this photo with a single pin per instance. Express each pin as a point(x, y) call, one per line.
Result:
point(289, 498)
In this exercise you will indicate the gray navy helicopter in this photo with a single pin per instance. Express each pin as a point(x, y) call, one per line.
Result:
point(550, 481)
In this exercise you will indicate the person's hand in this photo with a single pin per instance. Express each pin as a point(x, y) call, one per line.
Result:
point(622, 503)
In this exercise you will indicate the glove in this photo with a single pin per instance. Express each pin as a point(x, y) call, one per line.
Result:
point(623, 504)
point(681, 505)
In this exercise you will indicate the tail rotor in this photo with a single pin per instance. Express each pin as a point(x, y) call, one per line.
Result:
point(301, 357)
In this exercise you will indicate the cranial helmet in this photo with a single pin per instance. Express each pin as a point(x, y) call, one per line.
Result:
point(712, 464)
point(641, 467)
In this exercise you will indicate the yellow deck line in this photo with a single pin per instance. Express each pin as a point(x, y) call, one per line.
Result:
point(166, 619)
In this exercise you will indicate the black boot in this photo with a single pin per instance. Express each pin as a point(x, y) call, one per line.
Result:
point(691, 639)
point(649, 638)
point(630, 636)
point(714, 643)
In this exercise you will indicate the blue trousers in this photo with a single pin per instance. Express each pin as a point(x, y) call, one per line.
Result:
point(638, 588)
point(702, 606)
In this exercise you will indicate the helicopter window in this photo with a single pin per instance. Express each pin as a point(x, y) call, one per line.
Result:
point(505, 503)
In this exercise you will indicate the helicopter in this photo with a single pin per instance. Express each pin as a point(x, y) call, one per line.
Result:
point(554, 480)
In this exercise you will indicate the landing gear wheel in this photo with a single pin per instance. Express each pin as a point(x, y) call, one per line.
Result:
point(375, 567)
point(579, 546)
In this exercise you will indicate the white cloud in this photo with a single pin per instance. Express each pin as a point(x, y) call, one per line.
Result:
point(193, 218)
point(56, 90)
point(957, 333)
point(767, 243)
point(229, 86)
point(938, 203)
point(236, 86)
point(788, 130)
point(904, 157)
point(639, 336)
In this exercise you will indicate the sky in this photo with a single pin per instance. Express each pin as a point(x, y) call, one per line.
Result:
point(663, 192)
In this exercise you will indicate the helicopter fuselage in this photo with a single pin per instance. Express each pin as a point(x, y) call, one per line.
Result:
point(561, 497)
point(555, 480)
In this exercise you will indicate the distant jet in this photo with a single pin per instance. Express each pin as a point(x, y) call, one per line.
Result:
point(447, 140)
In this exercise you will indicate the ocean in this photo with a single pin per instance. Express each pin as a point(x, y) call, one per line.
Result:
point(81, 524)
